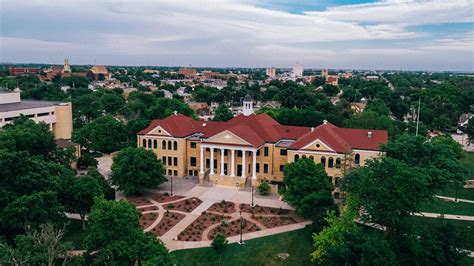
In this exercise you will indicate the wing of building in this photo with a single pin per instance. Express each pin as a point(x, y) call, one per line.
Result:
point(250, 148)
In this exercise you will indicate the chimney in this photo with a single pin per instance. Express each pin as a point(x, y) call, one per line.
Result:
point(312, 129)
point(175, 112)
point(369, 134)
point(325, 122)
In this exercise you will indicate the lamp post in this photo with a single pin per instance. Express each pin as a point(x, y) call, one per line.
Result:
point(252, 195)
point(241, 242)
point(171, 185)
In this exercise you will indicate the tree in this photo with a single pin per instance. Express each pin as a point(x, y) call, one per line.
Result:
point(219, 242)
point(116, 237)
point(223, 113)
point(104, 134)
point(135, 169)
point(112, 102)
point(308, 189)
point(371, 120)
point(87, 160)
point(469, 130)
point(264, 188)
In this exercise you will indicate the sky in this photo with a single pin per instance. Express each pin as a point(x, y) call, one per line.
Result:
point(352, 34)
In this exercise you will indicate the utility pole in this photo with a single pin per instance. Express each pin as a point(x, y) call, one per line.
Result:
point(418, 116)
point(241, 242)
point(171, 185)
point(252, 195)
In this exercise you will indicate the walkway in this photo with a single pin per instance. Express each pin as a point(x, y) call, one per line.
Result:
point(454, 199)
point(445, 216)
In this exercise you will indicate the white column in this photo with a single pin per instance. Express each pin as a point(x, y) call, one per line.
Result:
point(212, 161)
point(232, 173)
point(201, 161)
point(254, 165)
point(222, 161)
point(243, 164)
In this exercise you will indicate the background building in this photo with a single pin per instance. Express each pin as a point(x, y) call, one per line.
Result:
point(271, 72)
point(297, 70)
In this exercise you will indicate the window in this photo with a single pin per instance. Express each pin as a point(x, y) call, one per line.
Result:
point(170, 172)
point(282, 167)
point(175, 161)
point(163, 159)
point(193, 161)
point(357, 159)
point(338, 162)
point(311, 157)
point(169, 144)
point(323, 161)
point(258, 152)
point(265, 168)
point(149, 143)
point(239, 153)
point(265, 151)
point(193, 145)
point(283, 152)
point(170, 161)
point(163, 145)
point(208, 163)
point(144, 143)
point(304, 156)
point(330, 162)
point(175, 145)
point(175, 172)
point(296, 157)
point(190, 173)
point(225, 152)
point(155, 144)
point(208, 149)
point(43, 114)
point(215, 163)
point(257, 167)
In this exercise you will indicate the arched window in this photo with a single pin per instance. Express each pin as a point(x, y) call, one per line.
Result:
point(357, 159)
point(175, 145)
point(296, 157)
point(304, 156)
point(169, 144)
point(311, 157)
point(163, 145)
point(323, 161)
point(149, 144)
point(155, 144)
point(144, 143)
point(330, 162)
point(338, 162)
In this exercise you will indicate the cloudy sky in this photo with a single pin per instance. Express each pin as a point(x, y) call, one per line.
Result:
point(387, 34)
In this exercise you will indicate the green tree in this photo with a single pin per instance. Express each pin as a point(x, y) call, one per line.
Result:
point(104, 134)
point(223, 113)
point(112, 102)
point(116, 237)
point(469, 130)
point(87, 160)
point(371, 120)
point(87, 107)
point(264, 188)
point(135, 169)
point(219, 243)
point(308, 189)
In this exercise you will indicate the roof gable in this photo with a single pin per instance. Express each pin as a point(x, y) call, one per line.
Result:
point(228, 137)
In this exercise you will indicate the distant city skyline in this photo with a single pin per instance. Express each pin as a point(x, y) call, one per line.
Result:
point(392, 34)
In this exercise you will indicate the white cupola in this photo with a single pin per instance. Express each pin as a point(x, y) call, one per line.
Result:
point(247, 108)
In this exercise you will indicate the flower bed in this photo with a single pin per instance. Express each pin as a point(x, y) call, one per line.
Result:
point(233, 228)
point(187, 205)
point(169, 220)
point(275, 221)
point(149, 208)
point(138, 200)
point(162, 198)
point(223, 207)
point(147, 219)
point(262, 210)
point(194, 231)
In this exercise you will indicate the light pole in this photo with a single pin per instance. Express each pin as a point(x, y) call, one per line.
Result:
point(241, 242)
point(252, 195)
point(171, 185)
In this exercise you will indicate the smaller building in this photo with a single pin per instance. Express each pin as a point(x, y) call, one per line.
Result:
point(297, 70)
point(271, 72)
point(99, 72)
point(18, 71)
point(332, 80)
point(187, 72)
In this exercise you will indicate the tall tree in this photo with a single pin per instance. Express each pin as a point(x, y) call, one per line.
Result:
point(135, 169)
point(223, 113)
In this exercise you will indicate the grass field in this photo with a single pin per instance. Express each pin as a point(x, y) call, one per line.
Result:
point(260, 251)
point(75, 234)
point(468, 162)
point(447, 207)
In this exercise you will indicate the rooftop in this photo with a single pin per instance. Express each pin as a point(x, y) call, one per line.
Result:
point(26, 104)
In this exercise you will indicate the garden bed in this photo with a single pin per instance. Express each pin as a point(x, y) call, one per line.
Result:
point(169, 220)
point(194, 231)
point(138, 200)
point(233, 228)
point(223, 207)
point(187, 205)
point(165, 197)
point(262, 210)
point(275, 221)
point(147, 219)
point(149, 208)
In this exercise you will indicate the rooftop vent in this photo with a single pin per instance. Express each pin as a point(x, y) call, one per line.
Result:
point(175, 112)
point(325, 121)
point(204, 124)
point(312, 129)
point(369, 134)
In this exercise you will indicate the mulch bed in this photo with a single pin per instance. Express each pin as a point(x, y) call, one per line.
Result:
point(138, 200)
point(233, 228)
point(147, 219)
point(271, 222)
point(194, 231)
point(262, 210)
point(162, 198)
point(187, 205)
point(223, 207)
point(169, 220)
point(150, 208)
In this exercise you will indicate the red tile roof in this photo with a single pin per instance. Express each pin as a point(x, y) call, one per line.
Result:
point(260, 129)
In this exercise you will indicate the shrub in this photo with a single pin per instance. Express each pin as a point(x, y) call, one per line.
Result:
point(187, 202)
point(219, 242)
point(170, 206)
point(264, 188)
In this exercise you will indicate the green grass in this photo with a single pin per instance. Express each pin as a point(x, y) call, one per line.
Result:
point(259, 251)
point(75, 234)
point(463, 193)
point(468, 162)
point(466, 228)
point(447, 207)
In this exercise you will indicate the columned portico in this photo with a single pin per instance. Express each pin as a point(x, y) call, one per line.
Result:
point(222, 161)
point(232, 161)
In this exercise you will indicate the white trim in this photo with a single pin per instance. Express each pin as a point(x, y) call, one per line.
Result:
point(155, 128)
point(227, 132)
point(316, 140)
point(315, 152)
point(230, 147)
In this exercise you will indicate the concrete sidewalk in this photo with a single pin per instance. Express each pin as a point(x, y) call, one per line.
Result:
point(454, 199)
point(445, 216)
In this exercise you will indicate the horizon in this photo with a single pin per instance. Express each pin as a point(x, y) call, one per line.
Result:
point(398, 35)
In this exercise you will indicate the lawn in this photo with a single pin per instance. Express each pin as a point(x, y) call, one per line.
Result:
point(468, 162)
point(463, 193)
point(466, 228)
point(447, 207)
point(259, 251)
point(75, 234)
